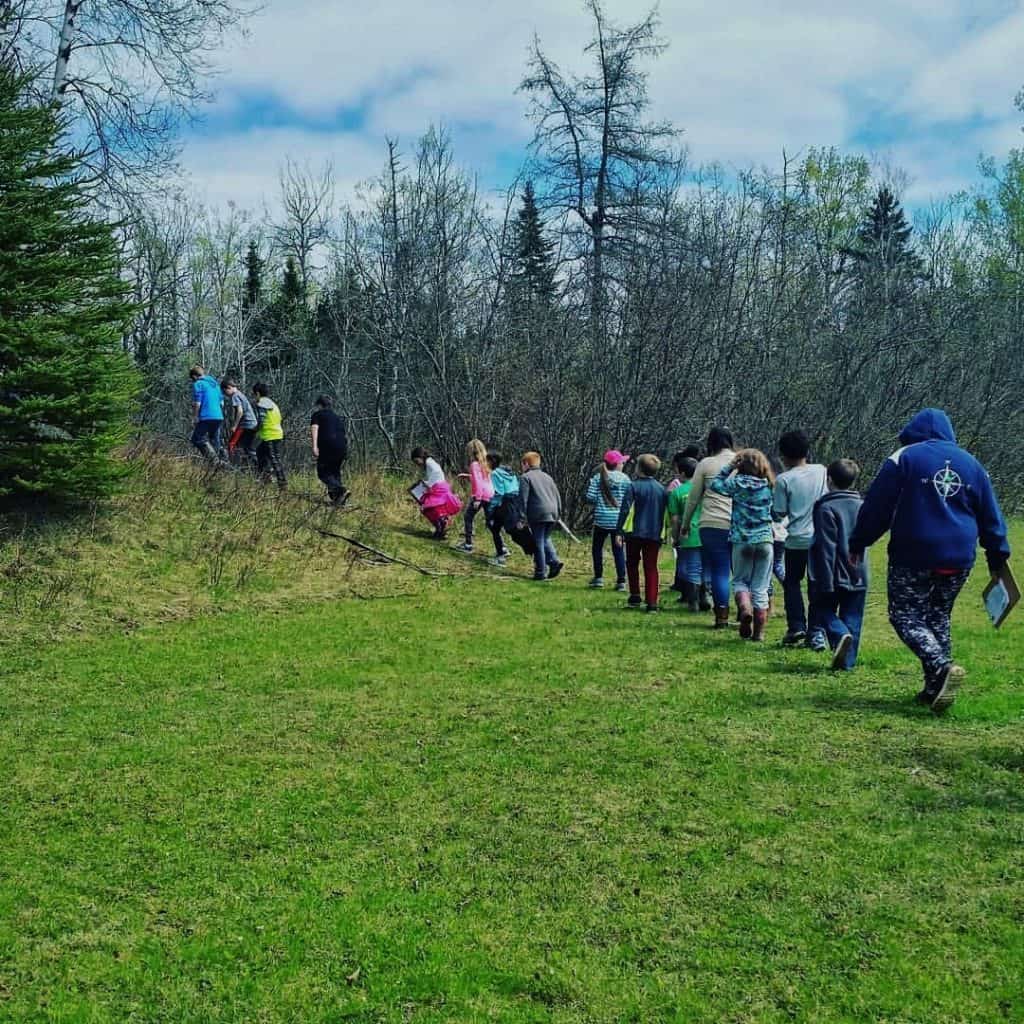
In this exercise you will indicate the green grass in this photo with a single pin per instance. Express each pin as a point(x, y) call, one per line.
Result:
point(490, 800)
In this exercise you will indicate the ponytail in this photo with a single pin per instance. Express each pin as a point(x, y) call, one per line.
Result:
point(606, 486)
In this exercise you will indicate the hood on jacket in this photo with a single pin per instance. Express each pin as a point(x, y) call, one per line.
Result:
point(928, 425)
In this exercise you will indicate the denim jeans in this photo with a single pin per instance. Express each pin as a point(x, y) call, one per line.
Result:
point(840, 613)
point(689, 566)
point(597, 550)
point(717, 554)
point(206, 437)
point(752, 571)
point(545, 555)
point(796, 570)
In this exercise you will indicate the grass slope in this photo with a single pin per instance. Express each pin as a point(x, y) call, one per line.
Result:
point(490, 800)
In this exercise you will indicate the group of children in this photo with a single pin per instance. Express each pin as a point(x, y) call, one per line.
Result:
point(737, 525)
point(228, 427)
point(722, 514)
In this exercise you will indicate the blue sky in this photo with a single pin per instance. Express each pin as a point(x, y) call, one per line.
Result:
point(924, 86)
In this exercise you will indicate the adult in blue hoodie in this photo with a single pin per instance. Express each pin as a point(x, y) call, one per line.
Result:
point(937, 502)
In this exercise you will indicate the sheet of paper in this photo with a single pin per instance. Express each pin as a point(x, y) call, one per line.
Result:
point(418, 491)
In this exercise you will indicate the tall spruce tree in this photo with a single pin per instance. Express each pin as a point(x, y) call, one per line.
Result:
point(66, 387)
point(883, 238)
point(534, 271)
point(253, 279)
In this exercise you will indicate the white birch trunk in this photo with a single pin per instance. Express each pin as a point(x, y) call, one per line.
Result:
point(67, 38)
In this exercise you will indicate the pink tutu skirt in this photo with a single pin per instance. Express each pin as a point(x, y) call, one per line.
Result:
point(440, 501)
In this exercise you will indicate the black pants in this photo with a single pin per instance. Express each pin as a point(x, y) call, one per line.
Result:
point(494, 525)
point(328, 469)
point(268, 460)
point(473, 507)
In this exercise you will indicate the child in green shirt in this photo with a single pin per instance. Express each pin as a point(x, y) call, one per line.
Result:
point(689, 565)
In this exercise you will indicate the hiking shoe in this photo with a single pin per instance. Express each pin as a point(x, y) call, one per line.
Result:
point(817, 643)
point(596, 583)
point(842, 651)
point(554, 570)
point(794, 637)
point(635, 600)
point(949, 682)
point(620, 586)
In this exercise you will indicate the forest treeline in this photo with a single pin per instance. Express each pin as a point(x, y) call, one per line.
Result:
point(613, 296)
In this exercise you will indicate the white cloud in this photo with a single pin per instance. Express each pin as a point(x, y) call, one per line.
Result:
point(744, 79)
point(244, 168)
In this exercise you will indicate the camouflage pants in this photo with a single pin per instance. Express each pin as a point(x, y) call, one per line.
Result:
point(920, 605)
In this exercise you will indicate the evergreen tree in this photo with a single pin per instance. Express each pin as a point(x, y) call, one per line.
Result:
point(293, 295)
point(883, 237)
point(534, 260)
point(253, 279)
point(66, 387)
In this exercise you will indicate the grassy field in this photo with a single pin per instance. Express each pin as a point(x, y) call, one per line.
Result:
point(262, 787)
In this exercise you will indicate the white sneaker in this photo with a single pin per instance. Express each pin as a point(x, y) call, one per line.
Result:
point(841, 651)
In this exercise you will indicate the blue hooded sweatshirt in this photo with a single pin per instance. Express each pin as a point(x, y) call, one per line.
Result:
point(935, 499)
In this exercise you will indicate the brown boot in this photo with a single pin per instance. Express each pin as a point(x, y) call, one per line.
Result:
point(760, 620)
point(745, 612)
point(721, 617)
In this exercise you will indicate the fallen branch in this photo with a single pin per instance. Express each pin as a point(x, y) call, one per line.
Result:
point(383, 554)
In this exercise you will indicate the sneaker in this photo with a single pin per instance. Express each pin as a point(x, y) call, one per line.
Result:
point(949, 682)
point(635, 600)
point(925, 697)
point(652, 608)
point(540, 579)
point(841, 652)
point(620, 586)
point(596, 583)
point(817, 643)
point(554, 570)
point(499, 561)
point(467, 548)
point(794, 637)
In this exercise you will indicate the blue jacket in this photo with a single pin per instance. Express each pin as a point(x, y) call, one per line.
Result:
point(751, 506)
point(647, 500)
point(936, 501)
point(504, 482)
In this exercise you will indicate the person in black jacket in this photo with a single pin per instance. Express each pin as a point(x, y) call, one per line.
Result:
point(839, 585)
point(330, 448)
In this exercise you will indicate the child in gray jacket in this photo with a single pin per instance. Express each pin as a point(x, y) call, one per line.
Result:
point(542, 504)
point(839, 586)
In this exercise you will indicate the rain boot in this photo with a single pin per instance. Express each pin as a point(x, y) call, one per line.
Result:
point(760, 620)
point(745, 613)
